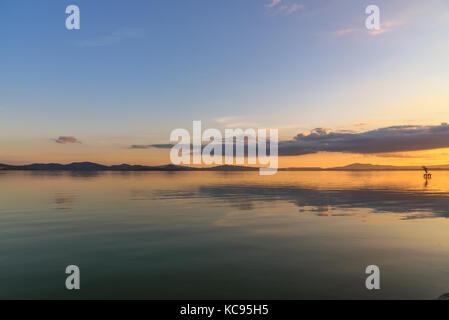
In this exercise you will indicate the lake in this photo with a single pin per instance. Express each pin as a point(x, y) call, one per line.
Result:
point(223, 235)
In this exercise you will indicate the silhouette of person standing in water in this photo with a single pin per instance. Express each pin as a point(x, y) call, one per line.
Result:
point(427, 175)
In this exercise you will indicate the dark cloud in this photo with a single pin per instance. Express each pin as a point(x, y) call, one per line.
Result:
point(383, 140)
point(380, 141)
point(64, 140)
point(148, 146)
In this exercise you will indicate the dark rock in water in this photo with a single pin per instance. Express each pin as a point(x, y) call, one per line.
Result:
point(444, 297)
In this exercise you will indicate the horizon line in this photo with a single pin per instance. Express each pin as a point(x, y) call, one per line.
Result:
point(168, 167)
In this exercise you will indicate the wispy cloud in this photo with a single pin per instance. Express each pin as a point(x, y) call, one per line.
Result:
point(66, 139)
point(293, 8)
point(343, 32)
point(273, 3)
point(224, 120)
point(420, 155)
point(385, 27)
point(115, 37)
point(150, 146)
point(235, 122)
point(284, 7)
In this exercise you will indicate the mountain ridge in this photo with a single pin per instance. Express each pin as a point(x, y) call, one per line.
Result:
point(92, 166)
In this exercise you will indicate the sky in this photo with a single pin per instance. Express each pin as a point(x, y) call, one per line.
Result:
point(138, 69)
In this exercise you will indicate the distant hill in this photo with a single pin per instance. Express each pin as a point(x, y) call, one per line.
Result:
point(6, 167)
point(84, 166)
point(363, 167)
point(91, 166)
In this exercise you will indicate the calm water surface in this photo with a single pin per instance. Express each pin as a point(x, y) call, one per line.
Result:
point(211, 235)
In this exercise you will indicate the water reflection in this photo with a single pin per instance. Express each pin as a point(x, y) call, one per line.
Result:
point(378, 192)
point(64, 201)
point(185, 235)
point(414, 204)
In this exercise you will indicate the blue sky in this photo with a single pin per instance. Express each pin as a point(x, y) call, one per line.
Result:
point(138, 69)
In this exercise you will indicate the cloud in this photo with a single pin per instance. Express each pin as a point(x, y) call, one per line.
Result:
point(286, 8)
point(235, 122)
point(273, 3)
point(293, 8)
point(383, 140)
point(115, 37)
point(65, 140)
point(225, 119)
point(149, 146)
point(412, 156)
point(384, 27)
point(346, 31)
